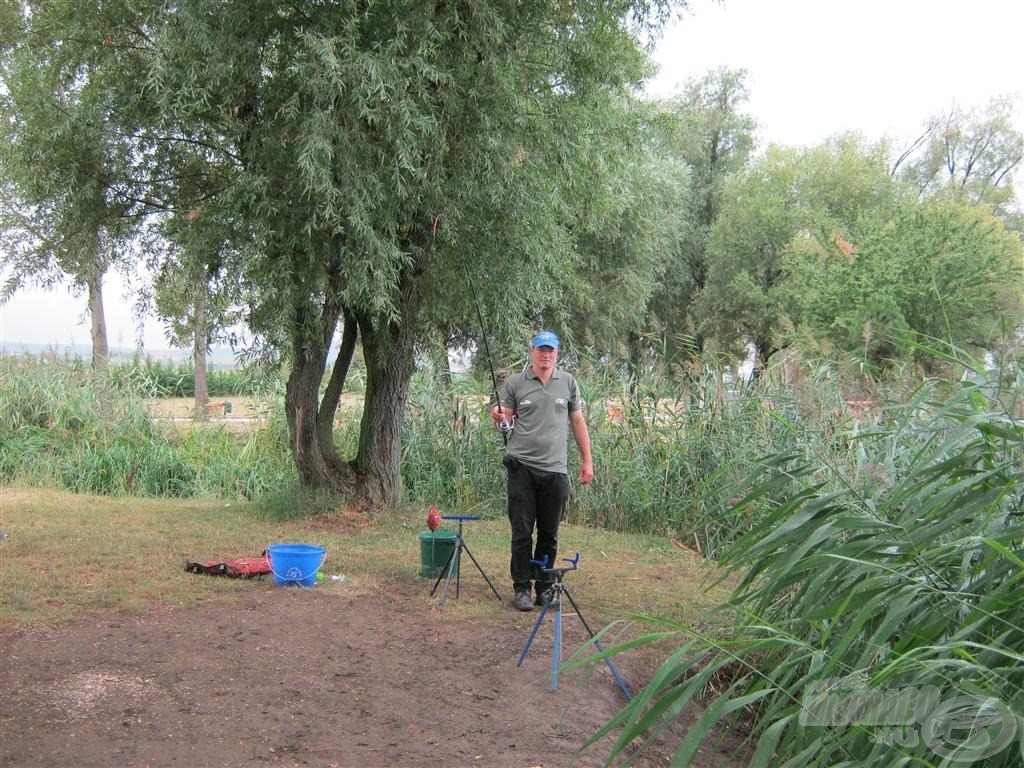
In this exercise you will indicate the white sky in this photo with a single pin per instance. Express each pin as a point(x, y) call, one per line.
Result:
point(881, 67)
point(816, 67)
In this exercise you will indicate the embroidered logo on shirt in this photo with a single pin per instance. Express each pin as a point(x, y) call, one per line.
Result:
point(559, 401)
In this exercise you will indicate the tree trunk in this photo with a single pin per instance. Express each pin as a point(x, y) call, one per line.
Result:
point(444, 368)
point(634, 363)
point(98, 323)
point(372, 480)
point(390, 365)
point(389, 354)
point(199, 336)
point(301, 403)
point(332, 395)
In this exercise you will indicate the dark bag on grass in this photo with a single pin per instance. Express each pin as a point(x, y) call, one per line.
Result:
point(242, 568)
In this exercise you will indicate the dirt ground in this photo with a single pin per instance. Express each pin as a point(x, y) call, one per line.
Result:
point(311, 677)
point(235, 412)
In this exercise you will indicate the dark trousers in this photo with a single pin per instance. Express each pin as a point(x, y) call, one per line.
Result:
point(538, 499)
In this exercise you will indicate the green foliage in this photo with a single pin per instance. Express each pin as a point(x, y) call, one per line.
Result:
point(897, 571)
point(879, 333)
point(662, 459)
point(746, 292)
point(709, 141)
point(969, 156)
point(667, 458)
point(953, 272)
point(70, 211)
point(62, 427)
point(621, 254)
point(450, 456)
point(782, 215)
point(157, 378)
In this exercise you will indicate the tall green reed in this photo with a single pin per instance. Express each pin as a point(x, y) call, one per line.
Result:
point(160, 378)
point(669, 455)
point(62, 427)
point(451, 454)
point(895, 571)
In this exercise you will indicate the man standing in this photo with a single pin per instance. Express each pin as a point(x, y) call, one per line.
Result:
point(537, 406)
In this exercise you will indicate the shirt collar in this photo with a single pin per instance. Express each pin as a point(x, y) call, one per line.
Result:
point(531, 375)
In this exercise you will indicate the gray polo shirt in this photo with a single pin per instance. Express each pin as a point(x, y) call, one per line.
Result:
point(540, 437)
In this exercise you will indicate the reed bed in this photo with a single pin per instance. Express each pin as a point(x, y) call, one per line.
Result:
point(62, 427)
point(669, 456)
point(880, 600)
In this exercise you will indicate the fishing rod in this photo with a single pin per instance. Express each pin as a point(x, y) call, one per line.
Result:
point(505, 427)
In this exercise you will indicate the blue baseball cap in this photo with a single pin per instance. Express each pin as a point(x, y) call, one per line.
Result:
point(545, 339)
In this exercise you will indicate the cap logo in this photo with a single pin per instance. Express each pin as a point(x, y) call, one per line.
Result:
point(545, 339)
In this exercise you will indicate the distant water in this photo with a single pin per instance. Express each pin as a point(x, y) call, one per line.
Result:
point(219, 358)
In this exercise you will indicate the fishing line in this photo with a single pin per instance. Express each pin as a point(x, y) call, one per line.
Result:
point(504, 427)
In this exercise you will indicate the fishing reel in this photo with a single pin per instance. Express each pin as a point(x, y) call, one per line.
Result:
point(505, 426)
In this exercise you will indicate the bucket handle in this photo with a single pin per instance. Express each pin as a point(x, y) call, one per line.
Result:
point(289, 578)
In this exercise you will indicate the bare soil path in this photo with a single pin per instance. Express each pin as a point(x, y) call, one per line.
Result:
point(308, 677)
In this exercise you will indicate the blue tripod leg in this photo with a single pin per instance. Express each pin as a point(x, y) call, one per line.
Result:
point(600, 648)
point(558, 641)
point(533, 634)
point(454, 567)
point(536, 625)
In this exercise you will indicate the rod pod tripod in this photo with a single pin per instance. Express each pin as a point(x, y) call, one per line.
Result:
point(453, 565)
point(553, 597)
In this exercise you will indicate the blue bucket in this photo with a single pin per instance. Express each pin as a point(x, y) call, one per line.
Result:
point(295, 563)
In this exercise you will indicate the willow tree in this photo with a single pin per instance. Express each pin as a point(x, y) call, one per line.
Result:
point(787, 216)
point(971, 156)
point(712, 141)
point(67, 213)
point(379, 150)
point(934, 270)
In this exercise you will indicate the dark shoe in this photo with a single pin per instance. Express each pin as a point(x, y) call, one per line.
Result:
point(522, 601)
point(539, 600)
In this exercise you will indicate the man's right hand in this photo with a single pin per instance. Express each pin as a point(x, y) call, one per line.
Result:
point(499, 415)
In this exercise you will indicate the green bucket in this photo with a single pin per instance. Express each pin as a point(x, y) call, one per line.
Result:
point(435, 549)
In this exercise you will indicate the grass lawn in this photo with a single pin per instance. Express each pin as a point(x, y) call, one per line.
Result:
point(69, 557)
